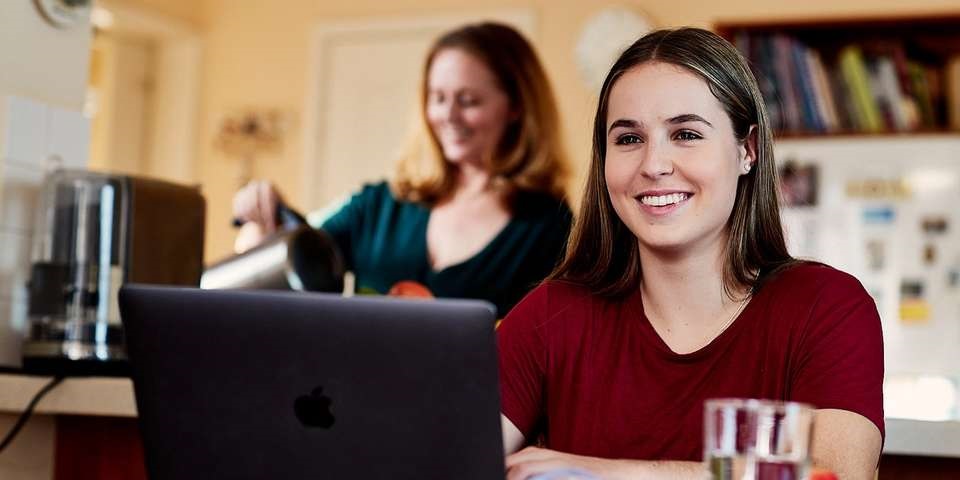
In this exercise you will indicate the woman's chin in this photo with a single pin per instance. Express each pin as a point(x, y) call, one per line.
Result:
point(456, 156)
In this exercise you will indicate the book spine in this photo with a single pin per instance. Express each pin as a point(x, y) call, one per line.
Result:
point(826, 104)
point(784, 74)
point(855, 75)
point(805, 94)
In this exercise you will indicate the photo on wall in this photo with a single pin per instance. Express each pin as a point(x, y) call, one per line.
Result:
point(798, 184)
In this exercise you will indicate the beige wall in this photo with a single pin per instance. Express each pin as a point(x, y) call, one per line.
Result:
point(40, 61)
point(192, 12)
point(257, 54)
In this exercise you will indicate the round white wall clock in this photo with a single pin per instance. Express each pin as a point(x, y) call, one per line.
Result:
point(64, 13)
point(603, 38)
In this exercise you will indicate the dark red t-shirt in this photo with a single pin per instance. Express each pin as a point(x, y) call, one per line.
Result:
point(594, 377)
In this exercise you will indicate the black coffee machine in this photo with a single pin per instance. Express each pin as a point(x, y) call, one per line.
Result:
point(94, 233)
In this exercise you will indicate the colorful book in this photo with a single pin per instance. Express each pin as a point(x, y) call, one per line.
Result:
point(854, 70)
point(921, 90)
point(953, 93)
point(804, 84)
point(785, 75)
point(823, 94)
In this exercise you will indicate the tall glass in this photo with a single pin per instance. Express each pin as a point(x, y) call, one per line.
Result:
point(746, 439)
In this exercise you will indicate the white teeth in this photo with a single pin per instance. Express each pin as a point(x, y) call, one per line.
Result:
point(661, 200)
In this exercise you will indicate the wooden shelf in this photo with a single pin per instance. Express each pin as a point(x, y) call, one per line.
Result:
point(885, 76)
point(865, 135)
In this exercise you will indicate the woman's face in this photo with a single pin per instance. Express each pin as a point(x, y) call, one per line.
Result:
point(672, 159)
point(466, 109)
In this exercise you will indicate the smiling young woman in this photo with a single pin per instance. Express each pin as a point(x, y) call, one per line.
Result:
point(677, 287)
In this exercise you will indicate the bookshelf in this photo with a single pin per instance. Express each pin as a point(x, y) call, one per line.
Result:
point(856, 77)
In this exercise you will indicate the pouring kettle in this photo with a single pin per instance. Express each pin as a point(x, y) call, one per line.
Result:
point(296, 257)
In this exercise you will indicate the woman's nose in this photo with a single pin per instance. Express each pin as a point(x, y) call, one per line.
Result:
point(451, 111)
point(656, 161)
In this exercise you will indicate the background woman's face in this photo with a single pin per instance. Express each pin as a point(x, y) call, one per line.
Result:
point(466, 109)
point(672, 160)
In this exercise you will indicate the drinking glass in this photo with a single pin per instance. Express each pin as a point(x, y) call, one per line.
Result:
point(746, 439)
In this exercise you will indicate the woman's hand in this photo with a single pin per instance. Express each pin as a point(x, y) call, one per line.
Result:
point(534, 461)
point(255, 205)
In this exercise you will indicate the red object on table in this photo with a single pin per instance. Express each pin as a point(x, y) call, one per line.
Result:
point(822, 475)
point(409, 288)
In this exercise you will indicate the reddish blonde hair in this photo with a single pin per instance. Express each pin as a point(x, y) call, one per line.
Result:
point(530, 156)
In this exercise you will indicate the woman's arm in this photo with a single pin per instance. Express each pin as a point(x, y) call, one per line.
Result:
point(532, 460)
point(846, 443)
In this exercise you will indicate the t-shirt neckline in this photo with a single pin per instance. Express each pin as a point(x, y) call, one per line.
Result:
point(717, 342)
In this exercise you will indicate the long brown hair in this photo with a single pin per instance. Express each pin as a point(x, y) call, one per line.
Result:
point(602, 252)
point(530, 156)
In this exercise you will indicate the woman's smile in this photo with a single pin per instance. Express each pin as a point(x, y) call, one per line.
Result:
point(663, 202)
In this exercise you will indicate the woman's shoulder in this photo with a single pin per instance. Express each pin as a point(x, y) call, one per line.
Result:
point(810, 274)
point(809, 283)
point(379, 195)
point(556, 299)
point(378, 189)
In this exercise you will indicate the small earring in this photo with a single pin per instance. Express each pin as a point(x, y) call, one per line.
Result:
point(747, 167)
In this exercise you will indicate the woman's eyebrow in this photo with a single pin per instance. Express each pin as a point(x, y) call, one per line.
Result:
point(689, 117)
point(623, 122)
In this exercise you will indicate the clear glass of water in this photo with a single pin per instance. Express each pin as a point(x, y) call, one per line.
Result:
point(746, 439)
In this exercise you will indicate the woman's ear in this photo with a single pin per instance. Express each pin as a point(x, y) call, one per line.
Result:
point(749, 151)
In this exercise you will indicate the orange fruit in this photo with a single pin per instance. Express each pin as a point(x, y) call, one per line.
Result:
point(409, 288)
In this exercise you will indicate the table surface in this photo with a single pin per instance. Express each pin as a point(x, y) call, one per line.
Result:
point(75, 396)
point(923, 413)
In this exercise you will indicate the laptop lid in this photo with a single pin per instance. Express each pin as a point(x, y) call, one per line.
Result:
point(255, 384)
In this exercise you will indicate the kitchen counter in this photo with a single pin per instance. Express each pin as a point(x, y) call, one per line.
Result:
point(77, 424)
point(923, 416)
point(104, 396)
point(927, 429)
point(922, 437)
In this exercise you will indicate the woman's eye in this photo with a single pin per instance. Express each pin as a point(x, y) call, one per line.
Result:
point(628, 139)
point(687, 135)
point(469, 101)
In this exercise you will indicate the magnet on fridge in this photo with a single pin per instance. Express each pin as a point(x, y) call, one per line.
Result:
point(914, 308)
point(929, 254)
point(876, 254)
point(914, 311)
point(878, 214)
point(934, 224)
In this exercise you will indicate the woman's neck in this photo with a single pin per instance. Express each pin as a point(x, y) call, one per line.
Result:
point(471, 182)
point(686, 290)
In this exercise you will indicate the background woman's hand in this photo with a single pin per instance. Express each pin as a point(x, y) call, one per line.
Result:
point(255, 205)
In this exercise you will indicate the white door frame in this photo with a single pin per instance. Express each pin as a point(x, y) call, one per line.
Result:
point(173, 141)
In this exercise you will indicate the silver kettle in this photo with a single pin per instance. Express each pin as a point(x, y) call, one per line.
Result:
point(301, 258)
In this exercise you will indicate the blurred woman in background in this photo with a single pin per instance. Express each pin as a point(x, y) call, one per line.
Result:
point(476, 208)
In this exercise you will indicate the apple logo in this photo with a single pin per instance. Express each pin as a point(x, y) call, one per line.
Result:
point(314, 410)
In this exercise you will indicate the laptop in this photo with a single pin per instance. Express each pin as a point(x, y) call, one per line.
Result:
point(282, 385)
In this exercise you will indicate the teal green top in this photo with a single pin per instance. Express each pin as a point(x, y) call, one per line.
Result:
point(384, 241)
